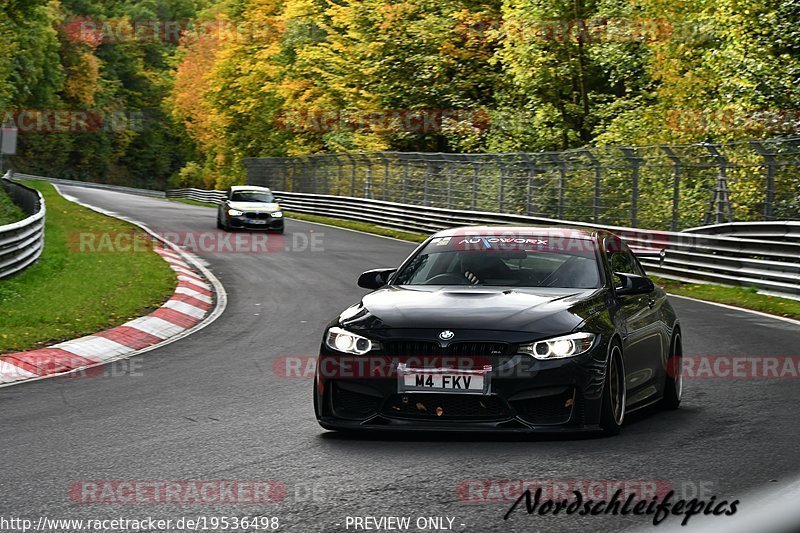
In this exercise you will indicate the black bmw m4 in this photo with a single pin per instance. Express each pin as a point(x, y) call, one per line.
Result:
point(523, 329)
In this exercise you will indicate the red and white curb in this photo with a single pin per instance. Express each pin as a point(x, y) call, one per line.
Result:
point(197, 301)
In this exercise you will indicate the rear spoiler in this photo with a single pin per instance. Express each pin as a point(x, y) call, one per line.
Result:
point(650, 253)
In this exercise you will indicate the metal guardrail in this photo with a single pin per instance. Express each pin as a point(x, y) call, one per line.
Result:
point(772, 265)
point(21, 243)
point(198, 195)
point(93, 185)
point(770, 231)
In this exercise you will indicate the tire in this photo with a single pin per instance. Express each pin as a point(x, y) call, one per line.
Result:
point(316, 403)
point(219, 224)
point(673, 386)
point(612, 412)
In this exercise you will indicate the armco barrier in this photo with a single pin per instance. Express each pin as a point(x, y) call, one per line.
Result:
point(198, 195)
point(21, 243)
point(766, 264)
point(92, 185)
point(768, 231)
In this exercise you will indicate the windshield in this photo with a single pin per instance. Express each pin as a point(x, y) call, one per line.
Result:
point(527, 261)
point(252, 196)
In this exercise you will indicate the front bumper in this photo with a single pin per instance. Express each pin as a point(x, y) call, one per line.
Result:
point(524, 394)
point(265, 223)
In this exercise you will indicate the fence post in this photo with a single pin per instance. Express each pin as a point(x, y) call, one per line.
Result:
point(385, 177)
point(425, 181)
point(292, 183)
point(284, 174)
point(475, 172)
point(339, 175)
point(769, 193)
point(598, 177)
point(562, 182)
point(720, 205)
point(676, 186)
point(449, 190)
point(314, 160)
point(352, 161)
point(501, 192)
point(531, 167)
point(405, 181)
point(368, 176)
point(319, 173)
point(635, 161)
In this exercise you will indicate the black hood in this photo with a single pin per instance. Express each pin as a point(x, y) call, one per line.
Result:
point(534, 310)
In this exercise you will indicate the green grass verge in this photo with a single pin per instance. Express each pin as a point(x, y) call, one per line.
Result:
point(70, 293)
point(744, 297)
point(9, 211)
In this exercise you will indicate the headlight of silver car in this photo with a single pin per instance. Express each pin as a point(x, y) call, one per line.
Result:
point(235, 212)
point(559, 347)
point(343, 341)
point(277, 214)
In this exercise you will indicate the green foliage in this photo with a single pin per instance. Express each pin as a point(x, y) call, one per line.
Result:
point(9, 211)
point(83, 56)
point(262, 77)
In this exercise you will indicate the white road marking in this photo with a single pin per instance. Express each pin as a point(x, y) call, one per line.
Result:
point(194, 294)
point(186, 309)
point(95, 348)
point(155, 326)
point(742, 309)
point(185, 271)
point(10, 373)
point(194, 281)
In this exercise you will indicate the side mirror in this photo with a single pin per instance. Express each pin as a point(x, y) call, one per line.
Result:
point(375, 279)
point(633, 284)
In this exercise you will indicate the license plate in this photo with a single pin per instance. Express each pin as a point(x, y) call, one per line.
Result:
point(258, 221)
point(443, 380)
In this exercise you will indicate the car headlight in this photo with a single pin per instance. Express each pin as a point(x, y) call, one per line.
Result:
point(277, 214)
point(559, 347)
point(235, 212)
point(343, 341)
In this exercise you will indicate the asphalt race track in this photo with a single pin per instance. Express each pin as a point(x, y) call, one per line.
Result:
point(211, 407)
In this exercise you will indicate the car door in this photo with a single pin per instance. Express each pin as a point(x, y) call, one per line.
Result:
point(644, 344)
